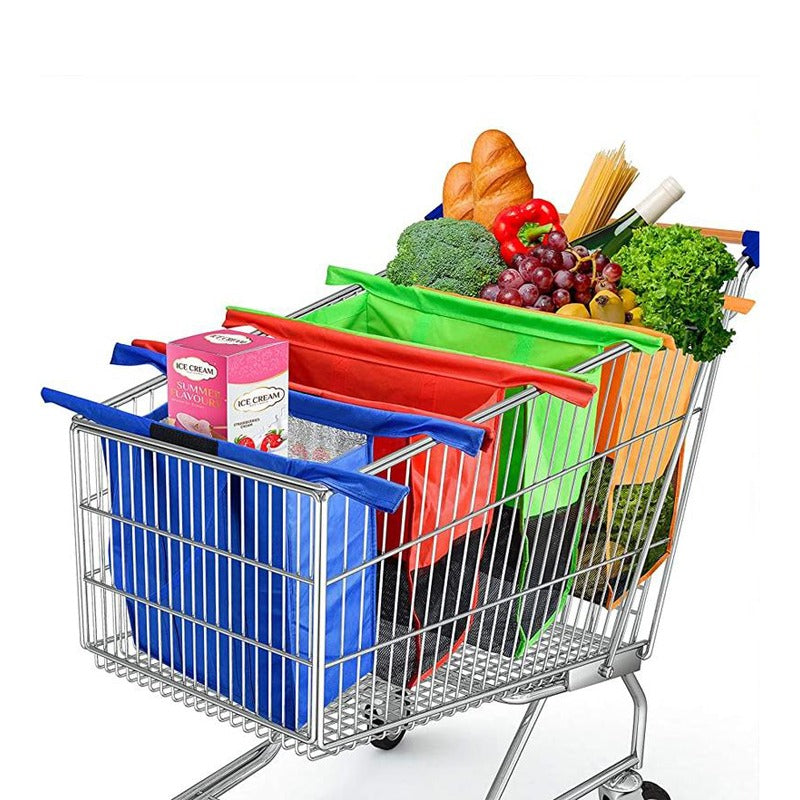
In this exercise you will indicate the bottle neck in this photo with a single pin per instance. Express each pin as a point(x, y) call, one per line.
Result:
point(659, 200)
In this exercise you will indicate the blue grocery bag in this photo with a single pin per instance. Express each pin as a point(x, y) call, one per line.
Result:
point(213, 613)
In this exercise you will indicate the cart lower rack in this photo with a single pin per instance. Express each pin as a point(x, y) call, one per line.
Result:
point(525, 605)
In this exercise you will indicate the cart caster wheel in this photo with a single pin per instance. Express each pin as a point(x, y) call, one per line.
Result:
point(652, 791)
point(390, 742)
point(630, 786)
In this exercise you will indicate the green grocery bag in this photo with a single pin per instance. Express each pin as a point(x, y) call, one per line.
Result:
point(546, 437)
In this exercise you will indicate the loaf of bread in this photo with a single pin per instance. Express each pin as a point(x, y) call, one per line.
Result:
point(499, 177)
point(457, 193)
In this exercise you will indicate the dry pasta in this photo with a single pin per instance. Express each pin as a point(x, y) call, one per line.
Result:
point(609, 177)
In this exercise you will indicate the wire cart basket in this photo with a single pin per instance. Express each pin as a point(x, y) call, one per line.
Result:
point(526, 604)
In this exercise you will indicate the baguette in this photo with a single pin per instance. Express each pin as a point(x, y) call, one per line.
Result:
point(457, 192)
point(499, 177)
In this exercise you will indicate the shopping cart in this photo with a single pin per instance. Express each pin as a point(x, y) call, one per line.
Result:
point(591, 569)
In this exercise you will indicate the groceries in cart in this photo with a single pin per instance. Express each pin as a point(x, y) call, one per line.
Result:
point(449, 484)
point(583, 265)
point(230, 386)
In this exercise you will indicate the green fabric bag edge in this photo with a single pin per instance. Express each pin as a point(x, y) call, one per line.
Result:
point(510, 318)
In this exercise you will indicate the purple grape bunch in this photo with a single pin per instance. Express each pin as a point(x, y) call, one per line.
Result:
point(552, 275)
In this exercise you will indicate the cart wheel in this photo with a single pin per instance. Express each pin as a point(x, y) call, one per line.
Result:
point(652, 791)
point(390, 742)
point(629, 786)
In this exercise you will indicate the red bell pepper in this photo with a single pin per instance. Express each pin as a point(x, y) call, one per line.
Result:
point(521, 227)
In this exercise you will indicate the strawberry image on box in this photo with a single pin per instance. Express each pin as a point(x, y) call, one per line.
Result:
point(231, 385)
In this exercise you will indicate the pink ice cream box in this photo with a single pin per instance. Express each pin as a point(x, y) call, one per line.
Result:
point(231, 385)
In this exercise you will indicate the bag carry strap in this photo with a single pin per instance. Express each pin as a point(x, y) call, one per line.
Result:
point(389, 424)
point(354, 418)
point(128, 355)
point(375, 492)
point(751, 241)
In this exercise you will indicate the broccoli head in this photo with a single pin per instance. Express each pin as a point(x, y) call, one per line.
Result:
point(446, 254)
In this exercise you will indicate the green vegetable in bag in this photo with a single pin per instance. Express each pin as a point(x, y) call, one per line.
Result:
point(677, 274)
point(446, 254)
point(634, 507)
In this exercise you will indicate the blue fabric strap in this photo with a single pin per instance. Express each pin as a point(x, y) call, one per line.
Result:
point(127, 355)
point(750, 240)
point(378, 422)
point(368, 489)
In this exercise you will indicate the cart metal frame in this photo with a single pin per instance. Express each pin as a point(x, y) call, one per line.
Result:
point(585, 645)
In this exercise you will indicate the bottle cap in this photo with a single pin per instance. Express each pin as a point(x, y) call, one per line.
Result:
point(658, 201)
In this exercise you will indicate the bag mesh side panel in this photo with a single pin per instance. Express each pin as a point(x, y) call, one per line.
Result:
point(444, 589)
point(394, 662)
point(517, 561)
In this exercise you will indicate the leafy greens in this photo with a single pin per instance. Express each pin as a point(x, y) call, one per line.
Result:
point(677, 274)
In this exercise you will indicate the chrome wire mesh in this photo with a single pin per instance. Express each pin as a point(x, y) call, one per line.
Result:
point(525, 578)
point(498, 577)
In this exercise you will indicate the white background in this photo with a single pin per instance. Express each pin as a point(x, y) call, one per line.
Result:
point(160, 160)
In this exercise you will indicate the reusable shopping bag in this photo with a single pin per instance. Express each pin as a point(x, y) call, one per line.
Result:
point(438, 579)
point(258, 522)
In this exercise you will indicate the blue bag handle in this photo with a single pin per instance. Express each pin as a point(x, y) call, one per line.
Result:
point(368, 489)
point(750, 240)
point(128, 355)
point(378, 422)
point(357, 419)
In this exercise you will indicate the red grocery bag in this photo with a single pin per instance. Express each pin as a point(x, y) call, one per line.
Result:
point(430, 586)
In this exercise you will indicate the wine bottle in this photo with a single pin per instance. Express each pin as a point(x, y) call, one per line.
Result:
point(615, 236)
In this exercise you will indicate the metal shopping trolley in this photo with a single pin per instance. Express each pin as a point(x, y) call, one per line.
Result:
point(520, 606)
